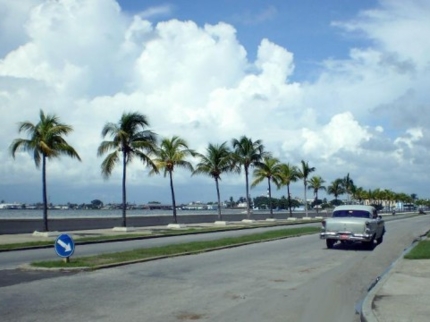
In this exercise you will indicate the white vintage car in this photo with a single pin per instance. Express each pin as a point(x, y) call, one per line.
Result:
point(353, 223)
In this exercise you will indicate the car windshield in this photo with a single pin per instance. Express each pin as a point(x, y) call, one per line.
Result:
point(351, 213)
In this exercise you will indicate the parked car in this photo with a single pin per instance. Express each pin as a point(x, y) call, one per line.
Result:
point(351, 224)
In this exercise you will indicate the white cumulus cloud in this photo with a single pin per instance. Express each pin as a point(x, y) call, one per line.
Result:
point(89, 61)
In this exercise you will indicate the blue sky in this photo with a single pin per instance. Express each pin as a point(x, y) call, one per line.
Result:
point(303, 27)
point(342, 84)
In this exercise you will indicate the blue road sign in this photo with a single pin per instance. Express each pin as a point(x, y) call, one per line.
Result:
point(64, 246)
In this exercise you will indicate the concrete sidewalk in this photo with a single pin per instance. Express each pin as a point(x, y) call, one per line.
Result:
point(402, 295)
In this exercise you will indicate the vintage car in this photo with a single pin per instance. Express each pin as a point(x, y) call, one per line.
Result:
point(353, 223)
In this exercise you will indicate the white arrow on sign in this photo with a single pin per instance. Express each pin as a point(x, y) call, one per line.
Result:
point(66, 247)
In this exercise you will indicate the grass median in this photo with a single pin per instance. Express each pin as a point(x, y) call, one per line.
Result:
point(111, 238)
point(420, 251)
point(142, 254)
point(140, 235)
point(46, 243)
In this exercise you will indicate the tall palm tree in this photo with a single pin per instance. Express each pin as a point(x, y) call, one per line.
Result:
point(303, 174)
point(248, 153)
point(218, 159)
point(286, 175)
point(130, 139)
point(45, 142)
point(172, 153)
point(378, 197)
point(390, 199)
point(316, 184)
point(348, 185)
point(359, 194)
point(336, 189)
point(268, 169)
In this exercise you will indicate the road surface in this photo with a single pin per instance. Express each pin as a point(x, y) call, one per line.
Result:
point(295, 279)
point(9, 260)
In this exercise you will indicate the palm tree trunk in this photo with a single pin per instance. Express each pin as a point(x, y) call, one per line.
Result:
point(248, 209)
point(316, 201)
point(124, 193)
point(45, 199)
point(270, 198)
point(289, 200)
point(306, 201)
point(219, 199)
point(173, 197)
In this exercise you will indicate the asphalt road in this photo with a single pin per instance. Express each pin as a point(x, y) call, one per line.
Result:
point(294, 279)
point(10, 260)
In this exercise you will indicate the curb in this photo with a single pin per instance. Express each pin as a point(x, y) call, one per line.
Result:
point(367, 314)
point(118, 264)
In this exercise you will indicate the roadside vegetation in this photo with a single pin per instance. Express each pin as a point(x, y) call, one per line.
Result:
point(420, 251)
point(143, 234)
point(47, 243)
point(131, 138)
point(128, 257)
point(45, 142)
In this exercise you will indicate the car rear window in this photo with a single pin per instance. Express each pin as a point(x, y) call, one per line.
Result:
point(351, 213)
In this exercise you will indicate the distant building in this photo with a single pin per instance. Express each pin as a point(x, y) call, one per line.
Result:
point(10, 206)
point(241, 205)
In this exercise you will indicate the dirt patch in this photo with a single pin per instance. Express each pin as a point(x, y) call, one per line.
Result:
point(187, 316)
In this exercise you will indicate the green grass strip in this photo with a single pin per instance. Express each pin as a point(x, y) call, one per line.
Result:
point(171, 250)
point(14, 246)
point(159, 232)
point(420, 251)
point(102, 238)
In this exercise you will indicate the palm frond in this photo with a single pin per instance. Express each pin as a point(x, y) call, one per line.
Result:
point(109, 163)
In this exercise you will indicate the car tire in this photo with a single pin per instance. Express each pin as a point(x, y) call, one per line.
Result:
point(370, 244)
point(330, 243)
point(380, 239)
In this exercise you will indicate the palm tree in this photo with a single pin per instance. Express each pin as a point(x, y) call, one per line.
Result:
point(129, 139)
point(336, 188)
point(170, 154)
point(390, 199)
point(359, 194)
point(414, 197)
point(268, 169)
point(287, 174)
point(371, 196)
point(218, 159)
point(45, 142)
point(303, 173)
point(348, 185)
point(316, 184)
point(378, 197)
point(248, 153)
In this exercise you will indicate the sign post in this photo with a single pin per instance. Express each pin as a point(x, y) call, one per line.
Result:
point(64, 247)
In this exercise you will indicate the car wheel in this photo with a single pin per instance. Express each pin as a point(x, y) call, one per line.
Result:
point(370, 244)
point(380, 239)
point(330, 243)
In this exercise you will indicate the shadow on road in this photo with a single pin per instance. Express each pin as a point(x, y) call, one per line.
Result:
point(10, 277)
point(353, 246)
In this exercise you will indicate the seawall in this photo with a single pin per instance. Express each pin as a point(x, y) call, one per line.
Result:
point(22, 226)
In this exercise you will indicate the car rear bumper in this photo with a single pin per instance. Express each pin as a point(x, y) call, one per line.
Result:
point(347, 236)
